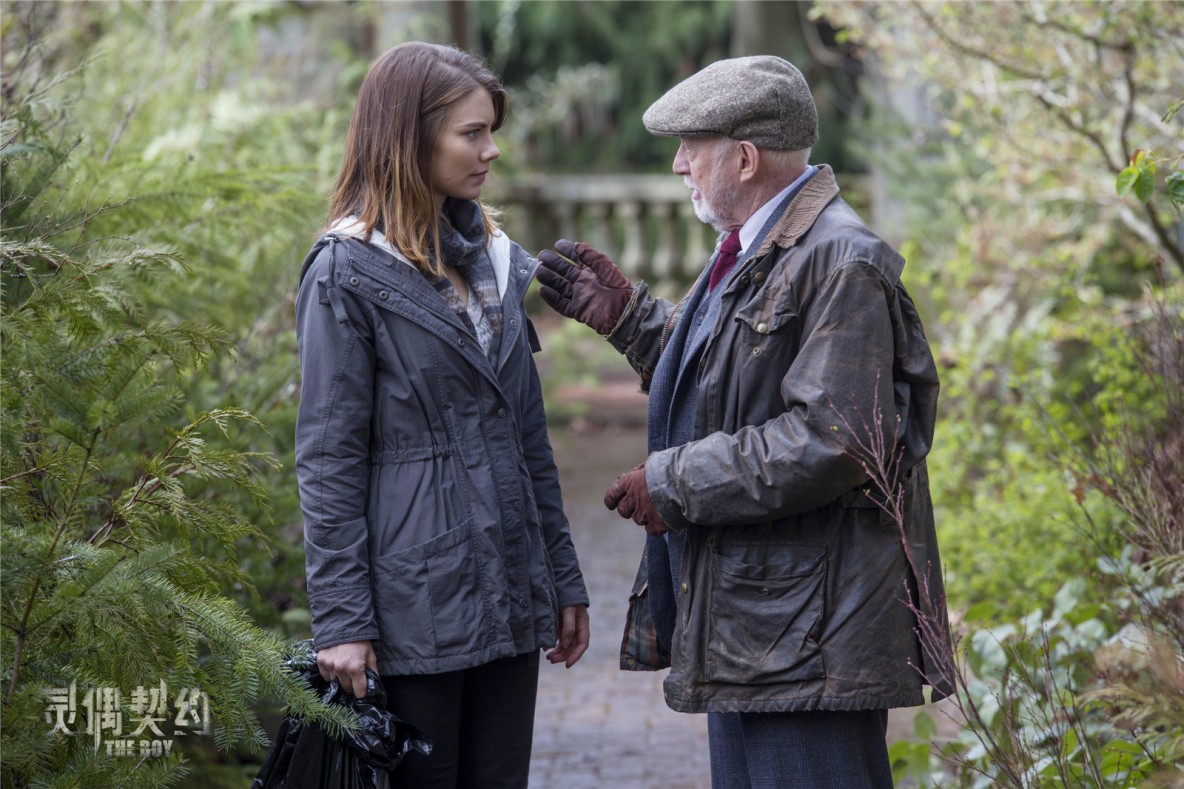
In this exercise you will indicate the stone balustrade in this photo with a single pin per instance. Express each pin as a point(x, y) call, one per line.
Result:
point(643, 222)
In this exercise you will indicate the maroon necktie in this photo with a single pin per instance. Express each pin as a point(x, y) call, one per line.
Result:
point(725, 260)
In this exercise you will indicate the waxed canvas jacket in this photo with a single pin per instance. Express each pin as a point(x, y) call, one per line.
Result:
point(798, 590)
point(434, 524)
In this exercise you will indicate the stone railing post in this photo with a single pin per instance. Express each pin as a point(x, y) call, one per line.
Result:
point(644, 222)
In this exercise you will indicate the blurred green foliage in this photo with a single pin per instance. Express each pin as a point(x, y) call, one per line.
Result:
point(1055, 304)
point(229, 173)
point(141, 132)
point(999, 130)
point(210, 133)
point(145, 255)
point(582, 73)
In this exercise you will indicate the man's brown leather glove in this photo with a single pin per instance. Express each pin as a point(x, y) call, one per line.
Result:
point(580, 282)
point(630, 497)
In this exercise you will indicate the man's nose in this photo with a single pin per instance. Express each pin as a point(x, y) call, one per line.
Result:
point(680, 166)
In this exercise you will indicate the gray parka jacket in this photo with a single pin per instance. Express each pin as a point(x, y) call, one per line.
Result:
point(434, 524)
point(798, 591)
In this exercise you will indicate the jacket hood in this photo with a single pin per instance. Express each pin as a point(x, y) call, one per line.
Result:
point(499, 247)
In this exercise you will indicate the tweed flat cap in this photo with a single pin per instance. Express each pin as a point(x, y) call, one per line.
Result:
point(761, 99)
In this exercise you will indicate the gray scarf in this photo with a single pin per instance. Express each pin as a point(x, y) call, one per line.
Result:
point(462, 245)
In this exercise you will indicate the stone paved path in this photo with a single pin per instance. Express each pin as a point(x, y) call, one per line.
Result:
point(597, 727)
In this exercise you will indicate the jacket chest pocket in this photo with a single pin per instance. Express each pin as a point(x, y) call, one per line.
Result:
point(762, 346)
point(768, 322)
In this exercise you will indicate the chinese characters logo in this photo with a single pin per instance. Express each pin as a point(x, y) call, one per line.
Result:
point(143, 724)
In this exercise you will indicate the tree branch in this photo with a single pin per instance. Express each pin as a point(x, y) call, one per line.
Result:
point(1162, 233)
point(1128, 111)
point(1076, 128)
point(22, 628)
point(980, 54)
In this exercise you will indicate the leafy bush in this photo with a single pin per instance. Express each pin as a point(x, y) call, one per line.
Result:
point(1000, 131)
point(179, 119)
point(134, 483)
point(1053, 300)
point(1091, 692)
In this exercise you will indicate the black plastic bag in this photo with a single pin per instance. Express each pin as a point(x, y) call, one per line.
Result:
point(305, 756)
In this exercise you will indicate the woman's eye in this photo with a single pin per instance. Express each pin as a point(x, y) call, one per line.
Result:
point(472, 135)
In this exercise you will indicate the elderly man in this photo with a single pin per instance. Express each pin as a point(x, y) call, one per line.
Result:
point(791, 575)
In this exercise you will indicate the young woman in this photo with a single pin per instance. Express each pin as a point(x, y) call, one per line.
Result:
point(437, 550)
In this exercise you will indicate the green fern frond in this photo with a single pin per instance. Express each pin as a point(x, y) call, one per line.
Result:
point(30, 256)
point(122, 526)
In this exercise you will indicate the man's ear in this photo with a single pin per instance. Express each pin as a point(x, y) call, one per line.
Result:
point(750, 160)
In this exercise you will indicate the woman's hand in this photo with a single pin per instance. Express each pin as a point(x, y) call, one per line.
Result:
point(573, 636)
point(348, 662)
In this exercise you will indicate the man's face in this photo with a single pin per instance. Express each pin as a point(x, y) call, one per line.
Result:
point(706, 165)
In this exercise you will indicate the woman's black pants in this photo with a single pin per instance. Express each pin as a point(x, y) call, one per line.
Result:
point(480, 721)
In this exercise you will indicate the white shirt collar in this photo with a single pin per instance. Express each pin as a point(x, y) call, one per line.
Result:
point(755, 222)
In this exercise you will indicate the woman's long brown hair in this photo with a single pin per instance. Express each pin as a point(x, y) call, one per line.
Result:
point(401, 109)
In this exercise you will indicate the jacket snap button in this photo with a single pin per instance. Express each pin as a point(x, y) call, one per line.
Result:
point(762, 328)
point(764, 590)
point(382, 294)
point(517, 505)
point(501, 412)
point(524, 602)
point(353, 280)
point(757, 277)
point(460, 341)
point(682, 587)
point(756, 351)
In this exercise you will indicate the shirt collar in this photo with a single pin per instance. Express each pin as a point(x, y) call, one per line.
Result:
point(752, 227)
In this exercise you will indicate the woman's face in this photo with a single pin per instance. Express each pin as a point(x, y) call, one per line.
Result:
point(464, 149)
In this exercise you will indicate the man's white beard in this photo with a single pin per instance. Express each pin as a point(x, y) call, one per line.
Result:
point(704, 209)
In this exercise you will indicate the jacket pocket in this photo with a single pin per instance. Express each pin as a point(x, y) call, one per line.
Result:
point(428, 598)
point(763, 344)
point(769, 311)
point(765, 619)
